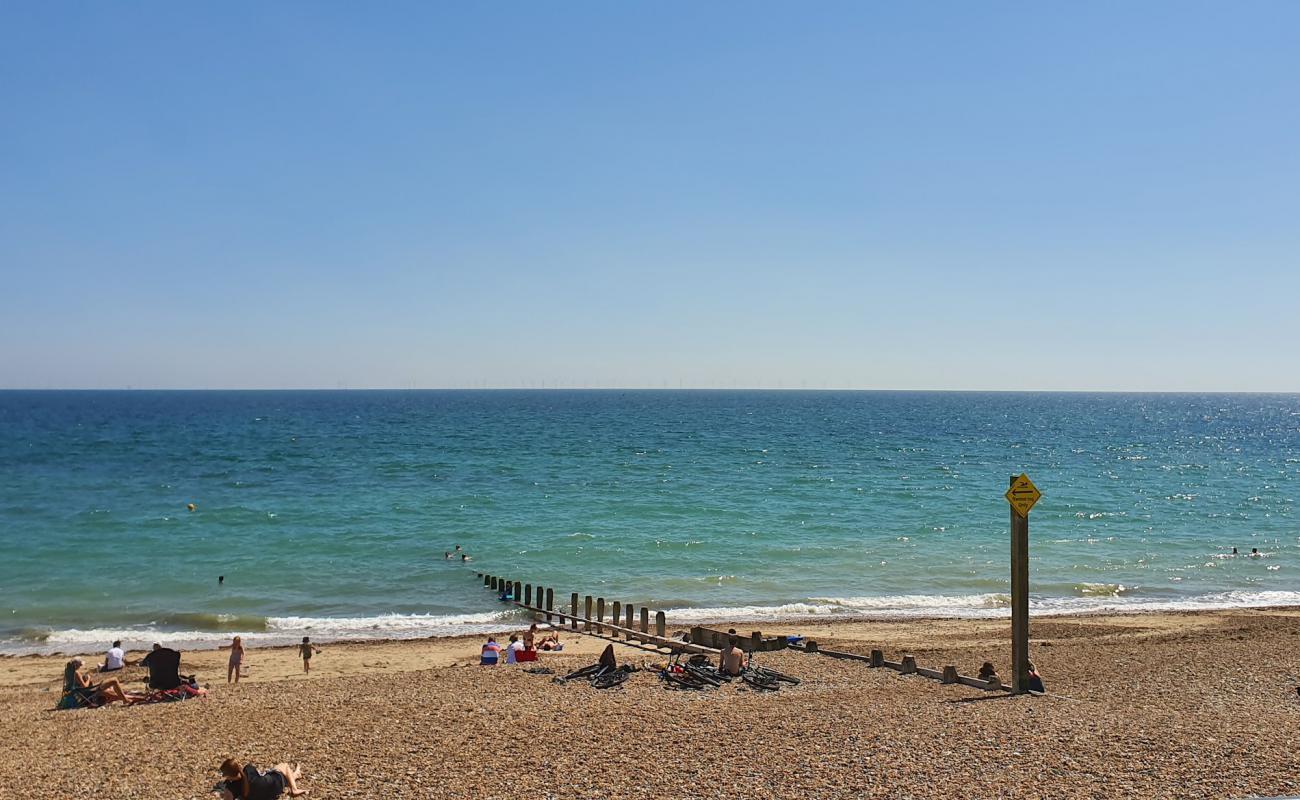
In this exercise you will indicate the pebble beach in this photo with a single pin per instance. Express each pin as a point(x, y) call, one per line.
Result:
point(1157, 705)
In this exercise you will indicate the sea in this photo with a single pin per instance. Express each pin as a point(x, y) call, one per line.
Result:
point(329, 513)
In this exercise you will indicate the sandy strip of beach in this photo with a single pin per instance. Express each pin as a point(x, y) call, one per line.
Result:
point(1153, 705)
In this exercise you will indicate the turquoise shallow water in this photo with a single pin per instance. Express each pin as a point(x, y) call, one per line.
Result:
point(328, 512)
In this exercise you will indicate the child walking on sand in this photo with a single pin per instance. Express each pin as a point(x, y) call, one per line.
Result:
point(305, 650)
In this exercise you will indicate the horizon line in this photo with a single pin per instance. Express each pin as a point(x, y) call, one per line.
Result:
point(825, 389)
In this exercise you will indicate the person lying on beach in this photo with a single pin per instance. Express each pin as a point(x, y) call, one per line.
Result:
point(109, 691)
point(551, 642)
point(249, 783)
point(732, 660)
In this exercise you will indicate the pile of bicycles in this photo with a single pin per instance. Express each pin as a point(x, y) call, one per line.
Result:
point(696, 673)
point(600, 676)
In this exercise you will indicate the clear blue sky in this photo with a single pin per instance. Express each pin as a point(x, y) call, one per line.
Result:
point(879, 195)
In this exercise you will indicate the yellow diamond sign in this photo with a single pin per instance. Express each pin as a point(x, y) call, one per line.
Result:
point(1022, 495)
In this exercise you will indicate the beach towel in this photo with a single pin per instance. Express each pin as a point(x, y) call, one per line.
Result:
point(183, 692)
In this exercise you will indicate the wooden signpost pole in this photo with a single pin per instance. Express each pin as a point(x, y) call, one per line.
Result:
point(1019, 598)
point(1022, 495)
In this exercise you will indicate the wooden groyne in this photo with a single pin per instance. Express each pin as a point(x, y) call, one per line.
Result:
point(630, 624)
point(906, 666)
point(626, 623)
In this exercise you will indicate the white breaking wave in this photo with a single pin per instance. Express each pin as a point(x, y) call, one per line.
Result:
point(978, 606)
point(287, 630)
point(277, 631)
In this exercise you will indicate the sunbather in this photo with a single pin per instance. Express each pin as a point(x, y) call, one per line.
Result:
point(110, 691)
point(530, 637)
point(732, 660)
point(249, 783)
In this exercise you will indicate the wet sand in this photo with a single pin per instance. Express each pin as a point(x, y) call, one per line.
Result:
point(1157, 705)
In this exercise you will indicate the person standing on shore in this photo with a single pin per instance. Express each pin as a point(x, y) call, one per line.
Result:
point(236, 661)
point(305, 650)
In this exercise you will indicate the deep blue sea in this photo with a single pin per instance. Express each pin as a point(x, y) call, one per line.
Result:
point(329, 512)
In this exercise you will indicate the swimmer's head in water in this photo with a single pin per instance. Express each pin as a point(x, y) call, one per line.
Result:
point(190, 506)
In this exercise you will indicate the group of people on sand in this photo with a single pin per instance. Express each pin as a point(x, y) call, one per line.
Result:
point(78, 684)
point(527, 643)
point(451, 555)
point(235, 664)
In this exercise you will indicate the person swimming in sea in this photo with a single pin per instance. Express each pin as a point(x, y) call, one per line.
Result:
point(464, 557)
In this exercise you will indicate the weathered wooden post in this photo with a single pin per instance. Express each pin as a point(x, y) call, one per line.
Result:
point(615, 615)
point(487, 580)
point(550, 602)
point(877, 658)
point(493, 583)
point(909, 664)
point(1021, 495)
point(627, 618)
point(661, 625)
point(600, 614)
point(528, 594)
point(518, 593)
point(756, 642)
point(586, 613)
point(810, 646)
point(573, 611)
point(950, 674)
point(645, 619)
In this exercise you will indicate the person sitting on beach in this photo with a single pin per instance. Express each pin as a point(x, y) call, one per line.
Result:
point(530, 637)
point(114, 659)
point(491, 653)
point(1035, 680)
point(249, 783)
point(512, 649)
point(987, 671)
point(732, 660)
point(109, 691)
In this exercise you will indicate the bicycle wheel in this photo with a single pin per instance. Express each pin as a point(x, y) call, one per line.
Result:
point(773, 675)
point(610, 679)
point(758, 682)
point(585, 672)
